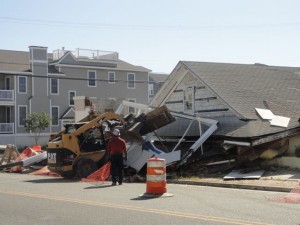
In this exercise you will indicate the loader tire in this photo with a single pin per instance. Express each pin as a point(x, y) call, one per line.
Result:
point(85, 167)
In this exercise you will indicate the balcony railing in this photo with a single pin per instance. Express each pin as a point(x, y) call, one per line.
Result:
point(7, 128)
point(7, 95)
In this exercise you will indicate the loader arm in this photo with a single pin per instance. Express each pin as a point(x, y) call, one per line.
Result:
point(98, 121)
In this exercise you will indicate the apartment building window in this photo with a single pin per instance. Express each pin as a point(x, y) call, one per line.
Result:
point(131, 109)
point(92, 78)
point(54, 115)
point(22, 115)
point(131, 80)
point(7, 83)
point(8, 114)
point(72, 94)
point(151, 89)
point(22, 85)
point(111, 77)
point(54, 86)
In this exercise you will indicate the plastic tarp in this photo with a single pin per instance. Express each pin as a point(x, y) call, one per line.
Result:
point(99, 175)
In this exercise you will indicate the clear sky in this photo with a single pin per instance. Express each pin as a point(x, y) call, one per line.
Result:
point(157, 34)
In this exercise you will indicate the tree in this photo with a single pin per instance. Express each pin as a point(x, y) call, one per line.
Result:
point(36, 122)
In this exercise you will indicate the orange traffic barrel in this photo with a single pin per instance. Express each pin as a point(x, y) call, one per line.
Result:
point(156, 176)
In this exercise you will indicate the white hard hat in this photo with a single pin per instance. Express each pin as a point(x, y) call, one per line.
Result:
point(116, 132)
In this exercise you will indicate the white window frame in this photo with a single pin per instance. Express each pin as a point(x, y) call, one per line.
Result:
point(55, 125)
point(129, 81)
point(19, 118)
point(91, 79)
point(129, 107)
point(22, 92)
point(111, 81)
point(69, 97)
point(51, 85)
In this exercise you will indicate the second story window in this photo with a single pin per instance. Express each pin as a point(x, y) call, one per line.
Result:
point(54, 115)
point(111, 77)
point(54, 86)
point(72, 94)
point(131, 80)
point(22, 86)
point(151, 89)
point(92, 78)
point(22, 115)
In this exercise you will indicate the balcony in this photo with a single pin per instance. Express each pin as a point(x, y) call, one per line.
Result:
point(7, 95)
point(89, 55)
point(7, 128)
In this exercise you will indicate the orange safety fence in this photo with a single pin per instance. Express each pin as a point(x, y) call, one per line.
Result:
point(100, 175)
point(28, 152)
point(291, 197)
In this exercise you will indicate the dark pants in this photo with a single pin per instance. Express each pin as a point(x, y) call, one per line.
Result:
point(116, 168)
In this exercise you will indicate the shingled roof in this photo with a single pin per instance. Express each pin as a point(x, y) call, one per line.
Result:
point(244, 87)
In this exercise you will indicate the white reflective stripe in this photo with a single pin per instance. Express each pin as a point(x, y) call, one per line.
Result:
point(157, 171)
point(156, 177)
point(156, 163)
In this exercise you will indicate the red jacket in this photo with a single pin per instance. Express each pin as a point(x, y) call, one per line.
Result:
point(116, 145)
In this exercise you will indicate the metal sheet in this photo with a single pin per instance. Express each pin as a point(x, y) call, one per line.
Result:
point(280, 121)
point(137, 158)
point(265, 114)
point(237, 174)
point(170, 157)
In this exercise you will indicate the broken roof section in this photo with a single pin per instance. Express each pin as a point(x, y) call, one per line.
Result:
point(229, 93)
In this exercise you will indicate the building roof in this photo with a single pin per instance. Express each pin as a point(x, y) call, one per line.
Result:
point(244, 87)
point(69, 59)
point(158, 77)
point(16, 61)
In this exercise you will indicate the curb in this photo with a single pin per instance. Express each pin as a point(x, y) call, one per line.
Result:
point(229, 185)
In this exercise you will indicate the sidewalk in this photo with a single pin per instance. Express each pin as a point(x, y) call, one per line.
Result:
point(279, 181)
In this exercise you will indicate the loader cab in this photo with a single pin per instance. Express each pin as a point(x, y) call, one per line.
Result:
point(92, 140)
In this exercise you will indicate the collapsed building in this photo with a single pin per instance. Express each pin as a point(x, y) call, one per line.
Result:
point(256, 109)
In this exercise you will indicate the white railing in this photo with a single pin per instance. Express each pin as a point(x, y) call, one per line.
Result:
point(7, 128)
point(7, 95)
point(88, 54)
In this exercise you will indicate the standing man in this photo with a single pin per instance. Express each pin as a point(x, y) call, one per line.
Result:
point(116, 149)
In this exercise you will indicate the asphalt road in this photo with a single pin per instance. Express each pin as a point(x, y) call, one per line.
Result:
point(39, 200)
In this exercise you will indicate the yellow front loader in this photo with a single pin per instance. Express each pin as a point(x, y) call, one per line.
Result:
point(80, 148)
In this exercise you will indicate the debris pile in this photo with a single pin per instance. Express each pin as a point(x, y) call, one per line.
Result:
point(15, 162)
point(221, 159)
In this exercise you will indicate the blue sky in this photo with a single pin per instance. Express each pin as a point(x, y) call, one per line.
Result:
point(157, 34)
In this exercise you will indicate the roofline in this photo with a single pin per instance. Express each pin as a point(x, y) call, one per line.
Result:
point(57, 74)
point(97, 67)
point(165, 84)
point(65, 55)
point(240, 116)
point(16, 72)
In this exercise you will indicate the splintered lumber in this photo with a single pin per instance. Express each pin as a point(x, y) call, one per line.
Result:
point(10, 153)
